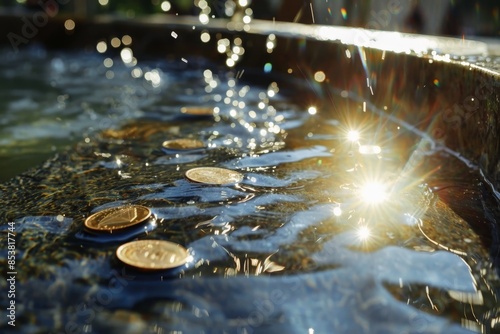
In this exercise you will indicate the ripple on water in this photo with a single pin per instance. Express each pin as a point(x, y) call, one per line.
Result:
point(179, 159)
point(184, 190)
point(280, 157)
point(268, 181)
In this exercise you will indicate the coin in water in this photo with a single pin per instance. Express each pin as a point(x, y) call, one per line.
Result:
point(197, 111)
point(183, 144)
point(152, 254)
point(214, 175)
point(117, 218)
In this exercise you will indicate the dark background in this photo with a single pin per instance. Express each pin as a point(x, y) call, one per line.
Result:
point(461, 18)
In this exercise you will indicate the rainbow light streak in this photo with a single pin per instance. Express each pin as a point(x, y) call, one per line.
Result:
point(343, 11)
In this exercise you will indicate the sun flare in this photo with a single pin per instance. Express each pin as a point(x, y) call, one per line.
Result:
point(374, 192)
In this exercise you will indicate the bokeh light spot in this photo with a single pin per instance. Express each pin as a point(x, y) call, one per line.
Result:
point(69, 24)
point(166, 6)
point(101, 47)
point(319, 76)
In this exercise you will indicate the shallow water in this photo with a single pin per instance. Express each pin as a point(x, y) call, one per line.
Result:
point(301, 245)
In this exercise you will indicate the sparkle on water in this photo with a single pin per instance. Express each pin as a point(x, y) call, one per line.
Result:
point(363, 233)
point(353, 135)
point(374, 192)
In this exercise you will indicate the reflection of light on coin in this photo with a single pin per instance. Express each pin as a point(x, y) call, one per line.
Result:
point(117, 218)
point(152, 254)
point(214, 175)
point(369, 149)
point(197, 111)
point(183, 144)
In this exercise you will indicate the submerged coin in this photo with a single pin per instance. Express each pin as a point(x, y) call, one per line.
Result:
point(183, 144)
point(152, 254)
point(197, 111)
point(117, 218)
point(214, 175)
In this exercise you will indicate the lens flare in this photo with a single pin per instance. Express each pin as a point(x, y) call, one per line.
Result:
point(353, 135)
point(374, 192)
point(343, 11)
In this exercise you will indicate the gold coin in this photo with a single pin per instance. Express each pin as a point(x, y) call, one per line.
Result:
point(213, 175)
point(197, 111)
point(152, 254)
point(117, 218)
point(183, 144)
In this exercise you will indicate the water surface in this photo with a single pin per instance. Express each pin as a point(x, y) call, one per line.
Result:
point(324, 234)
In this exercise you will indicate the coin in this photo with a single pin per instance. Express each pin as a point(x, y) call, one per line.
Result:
point(183, 144)
point(213, 175)
point(117, 218)
point(152, 254)
point(197, 111)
